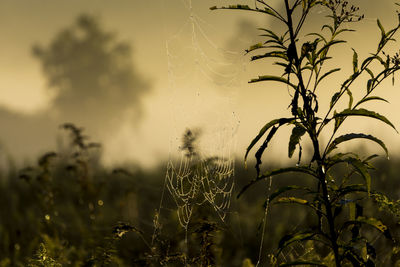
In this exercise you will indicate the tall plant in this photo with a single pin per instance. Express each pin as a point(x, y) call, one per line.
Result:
point(336, 201)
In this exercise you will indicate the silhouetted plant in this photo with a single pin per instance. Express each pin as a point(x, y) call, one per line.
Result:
point(43, 259)
point(341, 231)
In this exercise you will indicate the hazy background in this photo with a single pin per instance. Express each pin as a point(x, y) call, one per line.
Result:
point(141, 72)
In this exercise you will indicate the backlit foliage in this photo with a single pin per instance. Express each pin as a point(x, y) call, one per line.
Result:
point(337, 202)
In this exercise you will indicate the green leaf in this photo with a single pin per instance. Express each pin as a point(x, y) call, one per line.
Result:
point(242, 7)
point(297, 132)
point(364, 113)
point(238, 7)
point(370, 83)
point(260, 151)
point(370, 157)
point(381, 27)
point(274, 54)
point(270, 12)
point(370, 98)
point(393, 79)
point(352, 211)
point(304, 4)
point(272, 78)
point(353, 188)
point(351, 99)
point(383, 35)
point(328, 73)
point(285, 189)
point(361, 169)
point(290, 238)
point(246, 7)
point(329, 44)
point(317, 34)
point(264, 129)
point(342, 30)
point(301, 169)
point(292, 200)
point(271, 34)
point(373, 222)
point(329, 27)
point(383, 62)
point(340, 156)
point(360, 166)
point(352, 136)
point(254, 47)
point(335, 97)
point(370, 73)
point(355, 61)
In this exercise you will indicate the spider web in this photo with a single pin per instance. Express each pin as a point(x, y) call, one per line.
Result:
point(196, 181)
point(202, 85)
point(196, 62)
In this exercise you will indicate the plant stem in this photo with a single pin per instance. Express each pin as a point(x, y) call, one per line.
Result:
point(331, 221)
point(314, 138)
point(312, 131)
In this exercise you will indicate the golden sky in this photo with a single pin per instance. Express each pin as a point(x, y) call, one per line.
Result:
point(194, 60)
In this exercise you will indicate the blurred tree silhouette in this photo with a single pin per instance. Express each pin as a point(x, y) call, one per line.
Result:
point(91, 74)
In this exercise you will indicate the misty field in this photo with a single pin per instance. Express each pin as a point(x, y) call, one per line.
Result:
point(70, 211)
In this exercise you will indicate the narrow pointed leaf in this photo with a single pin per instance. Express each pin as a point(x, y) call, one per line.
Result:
point(370, 73)
point(329, 27)
point(284, 189)
point(329, 44)
point(364, 113)
point(319, 35)
point(355, 61)
point(263, 131)
point(354, 188)
point(262, 148)
point(254, 47)
point(352, 136)
point(272, 78)
point(271, 33)
point(368, 60)
point(351, 99)
point(274, 54)
point(377, 224)
point(334, 99)
point(370, 98)
point(380, 27)
point(370, 84)
point(292, 200)
point(300, 169)
point(290, 238)
point(246, 7)
point(373, 222)
point(361, 169)
point(342, 30)
point(327, 74)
